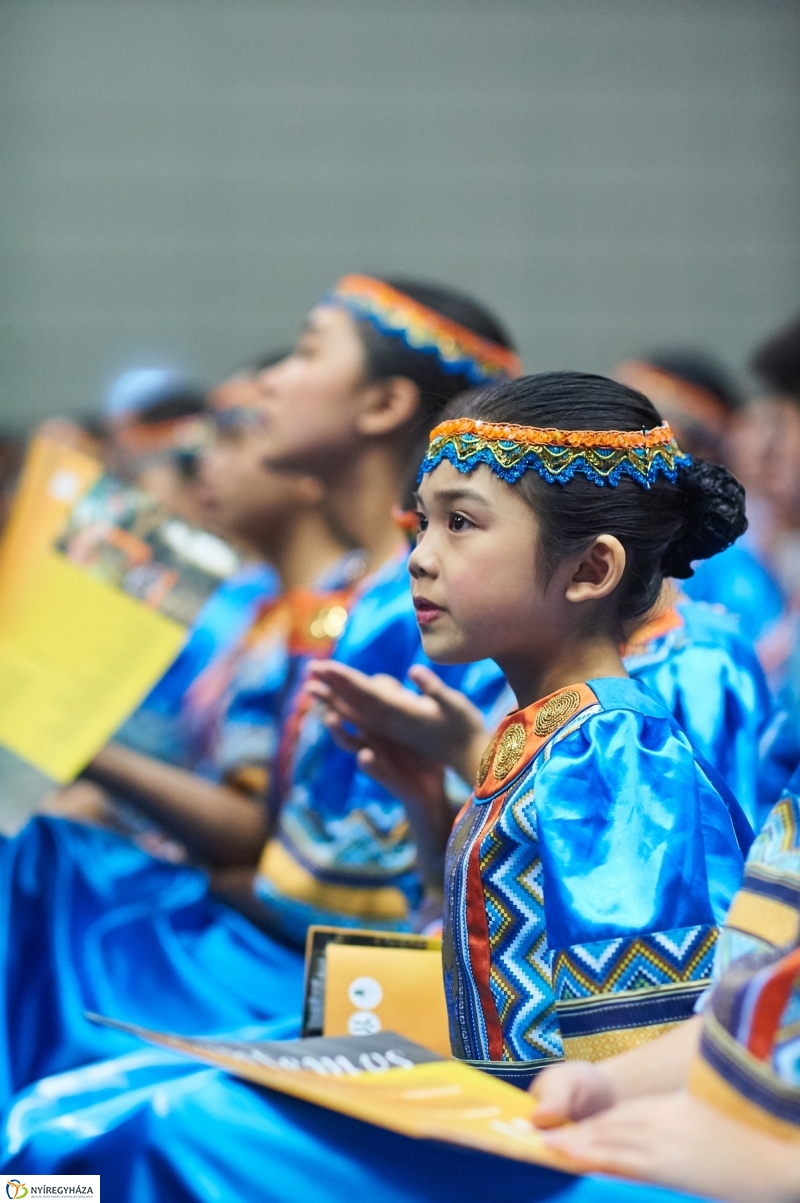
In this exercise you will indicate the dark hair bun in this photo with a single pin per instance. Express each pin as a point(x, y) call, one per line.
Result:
point(714, 517)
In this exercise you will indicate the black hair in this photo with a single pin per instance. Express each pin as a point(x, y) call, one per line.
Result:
point(777, 361)
point(701, 370)
point(388, 355)
point(663, 529)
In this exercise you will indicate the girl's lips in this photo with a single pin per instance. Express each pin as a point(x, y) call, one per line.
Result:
point(426, 611)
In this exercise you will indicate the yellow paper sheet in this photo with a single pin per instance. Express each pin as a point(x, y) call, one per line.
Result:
point(76, 657)
point(53, 478)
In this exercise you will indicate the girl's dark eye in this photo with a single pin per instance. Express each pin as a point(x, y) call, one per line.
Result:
point(422, 519)
point(458, 522)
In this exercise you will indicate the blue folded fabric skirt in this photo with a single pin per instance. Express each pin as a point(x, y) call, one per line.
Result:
point(88, 921)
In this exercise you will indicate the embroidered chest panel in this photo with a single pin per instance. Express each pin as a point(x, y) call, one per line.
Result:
point(496, 961)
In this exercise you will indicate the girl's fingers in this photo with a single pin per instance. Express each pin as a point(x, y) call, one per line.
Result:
point(570, 1092)
point(592, 1151)
point(452, 701)
point(343, 739)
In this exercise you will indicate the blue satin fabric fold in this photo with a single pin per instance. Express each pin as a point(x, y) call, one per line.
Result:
point(738, 581)
point(708, 676)
point(90, 922)
point(619, 856)
point(157, 1128)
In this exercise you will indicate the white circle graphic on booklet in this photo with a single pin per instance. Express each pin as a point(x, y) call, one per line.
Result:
point(365, 993)
point(363, 1023)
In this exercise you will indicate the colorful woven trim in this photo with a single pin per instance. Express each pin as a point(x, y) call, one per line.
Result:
point(458, 350)
point(604, 456)
point(748, 1055)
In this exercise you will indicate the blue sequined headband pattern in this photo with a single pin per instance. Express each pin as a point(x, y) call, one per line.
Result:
point(603, 456)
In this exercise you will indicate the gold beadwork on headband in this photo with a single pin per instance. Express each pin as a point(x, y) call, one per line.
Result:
point(659, 436)
point(458, 349)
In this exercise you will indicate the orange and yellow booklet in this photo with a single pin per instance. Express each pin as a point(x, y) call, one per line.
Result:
point(384, 1079)
point(97, 588)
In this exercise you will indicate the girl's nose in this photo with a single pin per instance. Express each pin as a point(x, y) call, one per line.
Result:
point(421, 562)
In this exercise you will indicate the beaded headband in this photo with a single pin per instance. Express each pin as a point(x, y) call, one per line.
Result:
point(459, 351)
point(604, 456)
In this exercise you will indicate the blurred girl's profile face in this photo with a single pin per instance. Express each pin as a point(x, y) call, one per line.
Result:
point(311, 400)
point(765, 451)
point(238, 495)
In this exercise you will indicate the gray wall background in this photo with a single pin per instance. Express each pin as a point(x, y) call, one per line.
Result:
point(182, 178)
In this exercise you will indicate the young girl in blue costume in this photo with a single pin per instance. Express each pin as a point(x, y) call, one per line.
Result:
point(90, 922)
point(585, 879)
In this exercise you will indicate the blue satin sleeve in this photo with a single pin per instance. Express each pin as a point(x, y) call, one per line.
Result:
point(154, 728)
point(619, 814)
point(765, 914)
point(639, 861)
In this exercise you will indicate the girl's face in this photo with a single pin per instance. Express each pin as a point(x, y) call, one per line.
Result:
point(238, 496)
point(476, 584)
point(312, 399)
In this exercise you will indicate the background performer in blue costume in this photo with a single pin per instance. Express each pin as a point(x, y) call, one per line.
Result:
point(693, 393)
point(89, 921)
point(592, 776)
point(705, 670)
point(214, 712)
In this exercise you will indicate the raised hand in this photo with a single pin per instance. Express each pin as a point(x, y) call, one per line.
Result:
point(439, 723)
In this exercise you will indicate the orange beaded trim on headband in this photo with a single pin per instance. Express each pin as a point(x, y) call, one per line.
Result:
point(604, 456)
point(459, 350)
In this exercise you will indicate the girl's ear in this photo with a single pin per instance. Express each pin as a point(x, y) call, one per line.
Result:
point(389, 405)
point(598, 571)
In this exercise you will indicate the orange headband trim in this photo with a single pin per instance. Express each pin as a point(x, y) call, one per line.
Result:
point(509, 450)
point(460, 351)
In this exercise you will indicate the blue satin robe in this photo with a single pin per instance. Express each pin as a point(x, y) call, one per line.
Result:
point(90, 921)
point(708, 676)
point(585, 882)
point(155, 1126)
